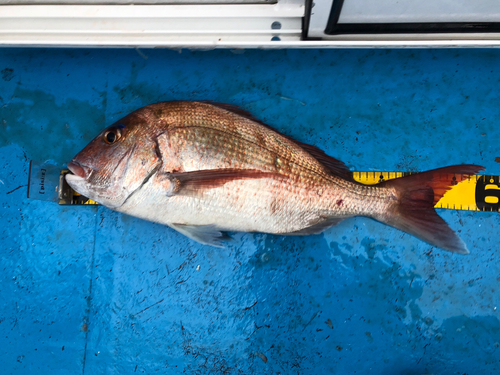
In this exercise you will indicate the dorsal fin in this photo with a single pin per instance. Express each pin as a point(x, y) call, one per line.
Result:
point(336, 167)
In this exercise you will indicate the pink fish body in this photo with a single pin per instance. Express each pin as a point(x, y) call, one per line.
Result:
point(205, 168)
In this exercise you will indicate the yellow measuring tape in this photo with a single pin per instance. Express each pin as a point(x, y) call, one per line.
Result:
point(476, 193)
point(84, 199)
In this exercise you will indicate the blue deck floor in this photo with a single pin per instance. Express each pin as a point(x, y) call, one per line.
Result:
point(87, 290)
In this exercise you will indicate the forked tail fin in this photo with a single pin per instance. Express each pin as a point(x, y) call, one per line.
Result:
point(414, 212)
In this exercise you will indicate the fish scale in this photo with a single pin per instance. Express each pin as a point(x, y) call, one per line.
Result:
point(239, 128)
point(203, 145)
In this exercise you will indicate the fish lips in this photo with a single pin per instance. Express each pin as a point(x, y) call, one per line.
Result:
point(77, 169)
point(80, 180)
point(77, 179)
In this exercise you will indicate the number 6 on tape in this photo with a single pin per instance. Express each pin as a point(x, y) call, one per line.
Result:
point(488, 193)
point(477, 193)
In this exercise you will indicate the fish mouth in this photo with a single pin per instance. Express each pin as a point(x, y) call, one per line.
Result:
point(78, 170)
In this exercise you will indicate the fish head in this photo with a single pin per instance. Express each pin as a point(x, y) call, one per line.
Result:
point(116, 163)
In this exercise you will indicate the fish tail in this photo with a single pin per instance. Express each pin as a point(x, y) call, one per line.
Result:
point(414, 212)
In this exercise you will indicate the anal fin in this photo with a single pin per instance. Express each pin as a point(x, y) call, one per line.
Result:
point(316, 228)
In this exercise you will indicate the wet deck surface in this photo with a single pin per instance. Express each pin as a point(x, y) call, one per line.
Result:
point(87, 290)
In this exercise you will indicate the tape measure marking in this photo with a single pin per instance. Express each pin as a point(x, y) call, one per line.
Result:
point(470, 193)
point(473, 193)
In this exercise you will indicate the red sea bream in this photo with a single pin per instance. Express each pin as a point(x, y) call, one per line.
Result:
point(205, 168)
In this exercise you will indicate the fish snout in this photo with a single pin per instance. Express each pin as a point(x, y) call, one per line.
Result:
point(78, 170)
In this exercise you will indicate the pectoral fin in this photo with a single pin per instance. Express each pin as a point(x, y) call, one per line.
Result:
point(194, 183)
point(204, 234)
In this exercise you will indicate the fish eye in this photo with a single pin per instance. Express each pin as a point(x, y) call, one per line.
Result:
point(112, 135)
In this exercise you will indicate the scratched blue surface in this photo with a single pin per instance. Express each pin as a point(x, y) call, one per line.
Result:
point(87, 290)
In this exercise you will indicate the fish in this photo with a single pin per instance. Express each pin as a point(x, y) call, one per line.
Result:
point(206, 168)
